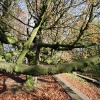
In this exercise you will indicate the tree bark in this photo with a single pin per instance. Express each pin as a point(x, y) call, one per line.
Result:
point(26, 48)
point(37, 55)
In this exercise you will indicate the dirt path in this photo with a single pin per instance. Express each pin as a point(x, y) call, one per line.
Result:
point(85, 90)
point(72, 91)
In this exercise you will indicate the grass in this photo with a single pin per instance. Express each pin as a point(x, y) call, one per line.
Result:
point(76, 77)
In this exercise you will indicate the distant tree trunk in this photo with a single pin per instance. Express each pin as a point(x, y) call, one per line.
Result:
point(37, 55)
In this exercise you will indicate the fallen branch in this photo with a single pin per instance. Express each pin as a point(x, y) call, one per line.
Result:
point(37, 70)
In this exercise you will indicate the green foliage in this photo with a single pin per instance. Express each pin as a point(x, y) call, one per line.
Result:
point(17, 52)
point(1, 53)
point(45, 51)
point(12, 39)
point(1, 58)
point(11, 56)
point(30, 83)
point(76, 77)
point(1, 49)
point(48, 56)
point(96, 69)
point(8, 56)
point(31, 58)
point(93, 69)
point(48, 61)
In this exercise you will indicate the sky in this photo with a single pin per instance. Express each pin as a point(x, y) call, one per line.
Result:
point(22, 4)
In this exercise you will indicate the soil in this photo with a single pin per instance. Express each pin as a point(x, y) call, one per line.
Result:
point(46, 89)
point(91, 90)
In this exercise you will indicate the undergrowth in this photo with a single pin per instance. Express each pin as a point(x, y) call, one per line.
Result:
point(30, 83)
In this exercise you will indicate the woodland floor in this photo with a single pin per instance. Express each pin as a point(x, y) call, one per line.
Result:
point(46, 88)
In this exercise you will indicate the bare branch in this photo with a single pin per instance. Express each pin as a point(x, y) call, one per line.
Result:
point(86, 26)
point(21, 21)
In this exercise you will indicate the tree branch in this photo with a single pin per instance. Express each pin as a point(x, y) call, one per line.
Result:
point(61, 47)
point(86, 26)
point(21, 21)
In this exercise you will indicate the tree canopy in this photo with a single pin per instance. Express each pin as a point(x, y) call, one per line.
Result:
point(39, 32)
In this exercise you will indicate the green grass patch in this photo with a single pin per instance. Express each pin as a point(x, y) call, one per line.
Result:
point(77, 78)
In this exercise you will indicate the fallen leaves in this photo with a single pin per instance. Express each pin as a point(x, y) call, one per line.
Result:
point(47, 89)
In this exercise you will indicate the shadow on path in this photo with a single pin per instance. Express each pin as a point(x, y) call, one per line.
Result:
point(4, 86)
point(12, 76)
point(6, 75)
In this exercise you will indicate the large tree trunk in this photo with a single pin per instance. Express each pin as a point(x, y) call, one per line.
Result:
point(33, 34)
point(26, 48)
point(36, 70)
point(37, 56)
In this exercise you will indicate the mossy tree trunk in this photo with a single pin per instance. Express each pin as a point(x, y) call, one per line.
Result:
point(26, 48)
point(33, 34)
point(36, 70)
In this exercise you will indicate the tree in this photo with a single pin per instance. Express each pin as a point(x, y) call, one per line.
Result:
point(56, 26)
